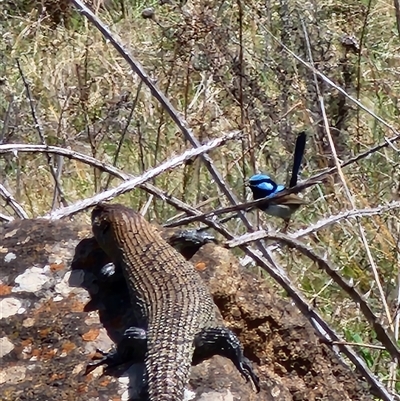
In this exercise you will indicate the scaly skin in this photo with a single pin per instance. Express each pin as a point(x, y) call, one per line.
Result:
point(177, 311)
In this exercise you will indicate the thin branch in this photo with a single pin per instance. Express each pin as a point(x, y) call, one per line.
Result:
point(124, 132)
point(344, 182)
point(6, 218)
point(18, 209)
point(359, 56)
point(321, 224)
point(397, 8)
point(134, 182)
point(6, 120)
point(146, 206)
point(41, 135)
point(151, 189)
point(381, 334)
point(164, 101)
point(361, 345)
point(315, 179)
point(60, 164)
point(246, 206)
point(197, 206)
point(396, 321)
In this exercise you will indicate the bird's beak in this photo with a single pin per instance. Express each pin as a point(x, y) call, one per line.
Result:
point(246, 183)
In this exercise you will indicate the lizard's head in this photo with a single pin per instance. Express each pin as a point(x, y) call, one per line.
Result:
point(111, 223)
point(101, 223)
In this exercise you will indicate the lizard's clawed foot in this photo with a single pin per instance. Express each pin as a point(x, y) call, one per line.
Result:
point(110, 359)
point(222, 341)
point(247, 372)
point(131, 349)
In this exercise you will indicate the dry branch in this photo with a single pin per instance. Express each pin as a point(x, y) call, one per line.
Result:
point(315, 179)
point(134, 182)
point(107, 168)
point(319, 225)
point(6, 218)
point(164, 101)
point(54, 173)
point(343, 180)
point(381, 334)
point(18, 209)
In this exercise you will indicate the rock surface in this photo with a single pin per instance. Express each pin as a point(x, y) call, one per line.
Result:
point(50, 327)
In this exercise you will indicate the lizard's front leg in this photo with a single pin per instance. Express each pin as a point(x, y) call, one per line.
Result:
point(132, 348)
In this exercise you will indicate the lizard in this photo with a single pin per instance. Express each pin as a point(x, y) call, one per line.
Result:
point(178, 322)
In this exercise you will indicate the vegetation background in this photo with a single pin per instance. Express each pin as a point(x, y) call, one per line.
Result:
point(224, 66)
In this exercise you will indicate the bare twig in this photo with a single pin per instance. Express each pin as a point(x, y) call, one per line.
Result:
point(315, 179)
point(18, 209)
point(247, 206)
point(381, 334)
point(393, 369)
point(321, 224)
point(197, 206)
point(156, 92)
point(124, 132)
point(362, 345)
point(146, 206)
point(359, 58)
point(60, 163)
point(6, 218)
point(70, 154)
point(344, 182)
point(6, 120)
point(134, 182)
point(41, 136)
point(151, 189)
point(397, 8)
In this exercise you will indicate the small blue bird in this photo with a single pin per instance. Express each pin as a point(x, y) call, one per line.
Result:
point(263, 186)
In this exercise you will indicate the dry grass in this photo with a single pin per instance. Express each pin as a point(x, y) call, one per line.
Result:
point(86, 98)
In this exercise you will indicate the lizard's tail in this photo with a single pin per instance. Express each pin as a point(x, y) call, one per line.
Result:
point(168, 367)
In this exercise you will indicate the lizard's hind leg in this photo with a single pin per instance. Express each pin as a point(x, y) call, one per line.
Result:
point(222, 341)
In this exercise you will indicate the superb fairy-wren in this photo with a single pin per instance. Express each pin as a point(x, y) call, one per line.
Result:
point(263, 186)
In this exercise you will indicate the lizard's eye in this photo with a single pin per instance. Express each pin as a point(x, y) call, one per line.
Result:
point(105, 226)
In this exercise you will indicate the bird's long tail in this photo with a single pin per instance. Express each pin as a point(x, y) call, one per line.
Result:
point(298, 157)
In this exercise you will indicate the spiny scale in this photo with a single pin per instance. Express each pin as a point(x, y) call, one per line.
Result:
point(175, 302)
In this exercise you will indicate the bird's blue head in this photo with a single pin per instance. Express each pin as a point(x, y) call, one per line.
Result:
point(263, 186)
